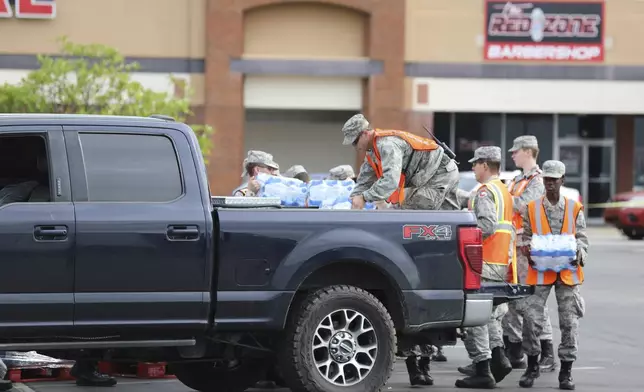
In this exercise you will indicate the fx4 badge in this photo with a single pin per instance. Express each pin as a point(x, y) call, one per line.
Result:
point(427, 232)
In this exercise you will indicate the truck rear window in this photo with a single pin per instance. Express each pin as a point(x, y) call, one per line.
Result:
point(130, 168)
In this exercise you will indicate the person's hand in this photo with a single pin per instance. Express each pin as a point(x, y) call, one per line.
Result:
point(358, 202)
point(253, 185)
point(574, 263)
point(381, 205)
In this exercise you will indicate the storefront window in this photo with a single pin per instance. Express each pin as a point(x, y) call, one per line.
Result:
point(638, 168)
point(539, 125)
point(442, 127)
point(474, 130)
point(586, 127)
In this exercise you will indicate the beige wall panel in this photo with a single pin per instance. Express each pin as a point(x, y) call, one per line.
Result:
point(625, 28)
point(198, 86)
point(304, 30)
point(444, 30)
point(148, 28)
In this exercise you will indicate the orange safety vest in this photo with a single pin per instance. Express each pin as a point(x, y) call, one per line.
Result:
point(417, 143)
point(541, 226)
point(496, 247)
point(516, 189)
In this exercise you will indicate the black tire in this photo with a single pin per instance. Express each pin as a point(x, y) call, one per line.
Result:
point(296, 357)
point(633, 234)
point(207, 377)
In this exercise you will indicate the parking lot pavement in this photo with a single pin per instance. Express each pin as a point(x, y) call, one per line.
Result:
point(611, 340)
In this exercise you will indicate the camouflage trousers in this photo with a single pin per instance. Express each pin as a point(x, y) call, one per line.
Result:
point(440, 193)
point(418, 350)
point(480, 341)
point(571, 308)
point(513, 326)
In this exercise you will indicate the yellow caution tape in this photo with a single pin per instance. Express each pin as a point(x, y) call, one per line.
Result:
point(617, 204)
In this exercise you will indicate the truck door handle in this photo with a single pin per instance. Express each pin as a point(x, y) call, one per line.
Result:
point(182, 233)
point(55, 233)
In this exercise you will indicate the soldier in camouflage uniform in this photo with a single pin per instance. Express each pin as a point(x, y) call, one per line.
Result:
point(298, 172)
point(490, 203)
point(401, 168)
point(423, 177)
point(341, 173)
point(526, 187)
point(256, 162)
point(553, 214)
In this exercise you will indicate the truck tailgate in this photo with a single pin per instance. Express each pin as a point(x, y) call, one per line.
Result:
point(506, 292)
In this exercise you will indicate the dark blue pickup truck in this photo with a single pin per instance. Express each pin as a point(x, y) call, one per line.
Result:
point(111, 241)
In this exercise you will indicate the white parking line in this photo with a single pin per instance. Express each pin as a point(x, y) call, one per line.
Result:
point(22, 387)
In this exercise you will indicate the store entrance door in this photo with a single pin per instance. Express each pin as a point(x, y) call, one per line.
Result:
point(590, 168)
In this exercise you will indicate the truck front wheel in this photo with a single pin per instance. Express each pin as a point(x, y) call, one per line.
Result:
point(221, 376)
point(340, 338)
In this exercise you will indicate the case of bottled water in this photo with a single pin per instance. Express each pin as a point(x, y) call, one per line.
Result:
point(291, 191)
point(553, 252)
point(325, 193)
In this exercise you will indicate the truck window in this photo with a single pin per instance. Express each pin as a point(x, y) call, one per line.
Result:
point(130, 168)
point(24, 169)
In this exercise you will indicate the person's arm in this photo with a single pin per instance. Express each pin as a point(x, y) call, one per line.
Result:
point(391, 155)
point(485, 211)
point(526, 236)
point(533, 191)
point(365, 179)
point(582, 238)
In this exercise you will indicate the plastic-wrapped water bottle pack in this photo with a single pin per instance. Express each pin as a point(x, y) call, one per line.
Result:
point(291, 191)
point(553, 252)
point(327, 193)
point(324, 194)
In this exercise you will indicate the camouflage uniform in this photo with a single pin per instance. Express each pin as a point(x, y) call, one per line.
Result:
point(480, 342)
point(341, 172)
point(431, 176)
point(257, 157)
point(571, 306)
point(513, 322)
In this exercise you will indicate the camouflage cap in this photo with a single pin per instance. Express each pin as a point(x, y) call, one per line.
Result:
point(294, 171)
point(259, 157)
point(353, 127)
point(341, 172)
point(487, 153)
point(525, 141)
point(553, 169)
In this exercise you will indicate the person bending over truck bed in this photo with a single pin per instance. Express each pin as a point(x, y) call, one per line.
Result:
point(401, 168)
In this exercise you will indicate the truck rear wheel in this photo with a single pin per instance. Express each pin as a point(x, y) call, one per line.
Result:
point(340, 338)
point(220, 376)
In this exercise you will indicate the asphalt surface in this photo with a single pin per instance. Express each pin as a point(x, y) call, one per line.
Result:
point(611, 341)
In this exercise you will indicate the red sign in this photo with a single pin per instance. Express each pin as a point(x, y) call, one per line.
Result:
point(544, 31)
point(427, 232)
point(28, 9)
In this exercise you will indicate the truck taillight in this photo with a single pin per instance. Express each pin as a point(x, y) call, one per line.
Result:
point(470, 245)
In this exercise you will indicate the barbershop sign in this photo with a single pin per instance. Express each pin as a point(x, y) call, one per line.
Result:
point(28, 9)
point(544, 31)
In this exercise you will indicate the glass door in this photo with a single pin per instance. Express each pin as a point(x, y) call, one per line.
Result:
point(600, 175)
point(573, 156)
point(590, 170)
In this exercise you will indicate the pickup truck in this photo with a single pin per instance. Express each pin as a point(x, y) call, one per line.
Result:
point(121, 249)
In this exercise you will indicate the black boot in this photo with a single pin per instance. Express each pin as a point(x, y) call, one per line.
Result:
point(423, 365)
point(532, 372)
point(468, 370)
point(565, 376)
point(516, 355)
point(500, 364)
point(6, 385)
point(87, 375)
point(415, 376)
point(481, 380)
point(439, 356)
point(506, 344)
point(547, 362)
